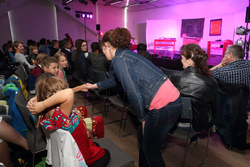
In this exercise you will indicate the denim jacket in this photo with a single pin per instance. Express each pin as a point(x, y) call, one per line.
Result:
point(139, 77)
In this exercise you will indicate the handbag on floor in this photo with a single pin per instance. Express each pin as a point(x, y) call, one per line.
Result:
point(94, 124)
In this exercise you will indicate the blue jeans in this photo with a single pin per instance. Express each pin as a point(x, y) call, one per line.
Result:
point(157, 125)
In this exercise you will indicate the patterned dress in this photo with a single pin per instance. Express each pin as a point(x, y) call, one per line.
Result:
point(76, 127)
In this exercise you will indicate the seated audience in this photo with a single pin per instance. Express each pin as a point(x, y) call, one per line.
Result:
point(195, 82)
point(9, 55)
point(79, 60)
point(233, 68)
point(50, 65)
point(9, 134)
point(19, 54)
point(36, 72)
point(62, 63)
point(53, 100)
point(98, 59)
point(43, 48)
point(33, 51)
point(66, 49)
point(142, 50)
point(54, 47)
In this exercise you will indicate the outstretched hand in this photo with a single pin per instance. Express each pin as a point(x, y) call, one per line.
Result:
point(90, 86)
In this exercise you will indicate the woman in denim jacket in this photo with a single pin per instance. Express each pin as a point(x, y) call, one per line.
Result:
point(153, 98)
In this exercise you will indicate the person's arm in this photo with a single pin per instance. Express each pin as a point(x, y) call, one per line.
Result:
point(80, 88)
point(64, 97)
point(90, 86)
point(9, 134)
point(129, 85)
point(222, 64)
point(22, 59)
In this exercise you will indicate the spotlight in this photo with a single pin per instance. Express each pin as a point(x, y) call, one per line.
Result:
point(78, 15)
point(67, 8)
point(83, 1)
point(88, 15)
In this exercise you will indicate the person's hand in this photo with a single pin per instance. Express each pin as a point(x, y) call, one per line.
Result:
point(84, 88)
point(36, 107)
point(224, 61)
point(143, 125)
point(32, 101)
point(91, 86)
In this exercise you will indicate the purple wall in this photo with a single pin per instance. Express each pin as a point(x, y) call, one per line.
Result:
point(166, 22)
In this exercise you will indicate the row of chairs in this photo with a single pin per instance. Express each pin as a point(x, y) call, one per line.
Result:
point(113, 96)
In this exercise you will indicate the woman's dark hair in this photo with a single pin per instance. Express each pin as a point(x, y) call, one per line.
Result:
point(78, 45)
point(118, 38)
point(199, 56)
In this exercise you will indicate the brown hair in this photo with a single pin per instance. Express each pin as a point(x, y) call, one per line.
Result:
point(236, 51)
point(47, 85)
point(32, 47)
point(57, 55)
point(199, 56)
point(48, 60)
point(40, 57)
point(118, 38)
point(16, 43)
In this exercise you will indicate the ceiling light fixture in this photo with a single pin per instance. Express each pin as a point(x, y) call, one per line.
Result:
point(68, 1)
point(83, 1)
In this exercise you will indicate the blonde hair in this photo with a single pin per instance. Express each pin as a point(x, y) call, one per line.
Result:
point(57, 55)
point(40, 57)
point(47, 85)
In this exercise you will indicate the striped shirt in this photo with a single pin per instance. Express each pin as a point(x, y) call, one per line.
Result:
point(237, 72)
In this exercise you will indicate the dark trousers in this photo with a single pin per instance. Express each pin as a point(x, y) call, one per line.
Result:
point(157, 125)
point(102, 162)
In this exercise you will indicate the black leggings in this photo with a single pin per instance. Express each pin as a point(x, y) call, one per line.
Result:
point(102, 162)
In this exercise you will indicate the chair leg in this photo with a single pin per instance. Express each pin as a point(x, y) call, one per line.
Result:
point(205, 159)
point(33, 159)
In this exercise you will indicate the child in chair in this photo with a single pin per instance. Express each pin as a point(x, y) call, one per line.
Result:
point(36, 72)
point(62, 63)
point(55, 102)
point(50, 65)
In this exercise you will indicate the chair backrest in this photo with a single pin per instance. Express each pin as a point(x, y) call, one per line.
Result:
point(99, 75)
point(230, 115)
point(169, 72)
point(35, 136)
point(186, 109)
point(63, 150)
point(22, 73)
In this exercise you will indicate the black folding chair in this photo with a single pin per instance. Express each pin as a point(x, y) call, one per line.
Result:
point(187, 133)
point(36, 138)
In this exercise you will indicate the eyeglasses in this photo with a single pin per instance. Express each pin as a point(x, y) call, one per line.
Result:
point(83, 45)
